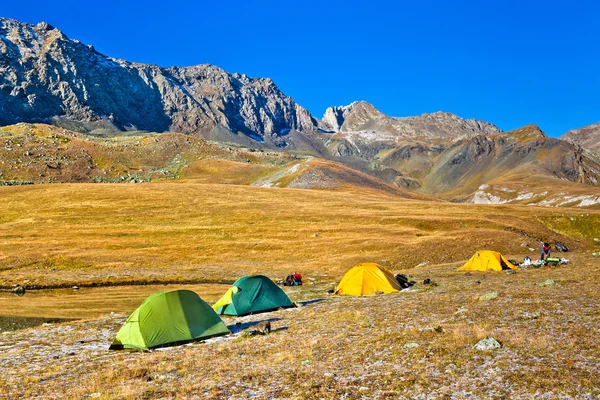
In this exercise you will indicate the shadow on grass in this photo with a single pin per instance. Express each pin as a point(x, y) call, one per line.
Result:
point(307, 302)
point(241, 326)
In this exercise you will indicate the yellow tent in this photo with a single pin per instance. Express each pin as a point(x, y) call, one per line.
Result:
point(367, 278)
point(485, 260)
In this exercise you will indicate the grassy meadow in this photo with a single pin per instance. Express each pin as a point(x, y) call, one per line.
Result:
point(414, 344)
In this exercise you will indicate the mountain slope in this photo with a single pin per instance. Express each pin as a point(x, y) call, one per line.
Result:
point(470, 163)
point(587, 137)
point(45, 76)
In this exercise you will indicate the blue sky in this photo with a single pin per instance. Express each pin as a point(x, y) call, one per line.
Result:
point(508, 62)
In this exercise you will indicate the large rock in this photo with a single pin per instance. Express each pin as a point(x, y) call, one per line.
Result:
point(488, 343)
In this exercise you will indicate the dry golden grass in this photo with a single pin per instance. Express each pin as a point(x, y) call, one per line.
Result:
point(78, 233)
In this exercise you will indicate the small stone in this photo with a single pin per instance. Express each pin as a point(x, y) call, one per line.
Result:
point(597, 240)
point(75, 288)
point(411, 345)
point(531, 249)
point(532, 315)
point(596, 254)
point(316, 235)
point(488, 343)
point(488, 296)
point(548, 282)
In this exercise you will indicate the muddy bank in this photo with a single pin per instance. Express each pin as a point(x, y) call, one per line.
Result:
point(13, 323)
point(120, 283)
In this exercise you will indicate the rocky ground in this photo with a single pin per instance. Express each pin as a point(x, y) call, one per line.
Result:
point(416, 344)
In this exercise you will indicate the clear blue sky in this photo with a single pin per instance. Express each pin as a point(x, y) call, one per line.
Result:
point(508, 62)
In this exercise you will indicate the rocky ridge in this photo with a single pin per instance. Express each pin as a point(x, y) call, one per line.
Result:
point(47, 77)
point(364, 117)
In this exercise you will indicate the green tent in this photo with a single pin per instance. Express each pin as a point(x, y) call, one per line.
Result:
point(252, 294)
point(169, 318)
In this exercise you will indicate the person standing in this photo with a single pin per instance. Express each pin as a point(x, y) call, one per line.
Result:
point(545, 251)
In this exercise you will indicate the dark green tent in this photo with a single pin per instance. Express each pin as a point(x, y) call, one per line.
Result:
point(169, 318)
point(252, 294)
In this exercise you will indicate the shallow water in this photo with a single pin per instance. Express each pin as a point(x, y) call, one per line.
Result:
point(12, 323)
point(39, 305)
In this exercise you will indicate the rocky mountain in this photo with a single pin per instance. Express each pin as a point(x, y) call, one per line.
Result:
point(456, 162)
point(587, 137)
point(47, 77)
point(364, 117)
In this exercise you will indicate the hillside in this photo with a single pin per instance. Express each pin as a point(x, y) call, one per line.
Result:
point(467, 164)
point(38, 153)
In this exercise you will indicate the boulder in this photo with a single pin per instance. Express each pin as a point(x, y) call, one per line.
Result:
point(488, 343)
point(488, 296)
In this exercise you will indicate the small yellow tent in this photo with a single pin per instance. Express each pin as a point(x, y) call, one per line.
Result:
point(367, 278)
point(485, 260)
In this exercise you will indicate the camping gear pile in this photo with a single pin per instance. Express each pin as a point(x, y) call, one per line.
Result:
point(549, 261)
point(294, 279)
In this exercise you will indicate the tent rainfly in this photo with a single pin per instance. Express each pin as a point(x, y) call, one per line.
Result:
point(486, 260)
point(367, 278)
point(169, 318)
point(252, 294)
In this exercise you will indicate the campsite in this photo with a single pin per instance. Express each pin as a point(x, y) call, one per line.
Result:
point(417, 342)
point(299, 200)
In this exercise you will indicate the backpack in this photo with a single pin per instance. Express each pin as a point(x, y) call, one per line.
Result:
point(402, 280)
point(289, 281)
point(561, 247)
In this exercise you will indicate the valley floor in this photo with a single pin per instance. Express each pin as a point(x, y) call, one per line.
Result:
point(416, 344)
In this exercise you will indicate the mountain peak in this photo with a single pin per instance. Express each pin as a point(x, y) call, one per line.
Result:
point(588, 136)
point(335, 116)
point(530, 131)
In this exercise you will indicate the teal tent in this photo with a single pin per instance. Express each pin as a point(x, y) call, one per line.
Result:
point(169, 318)
point(252, 294)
